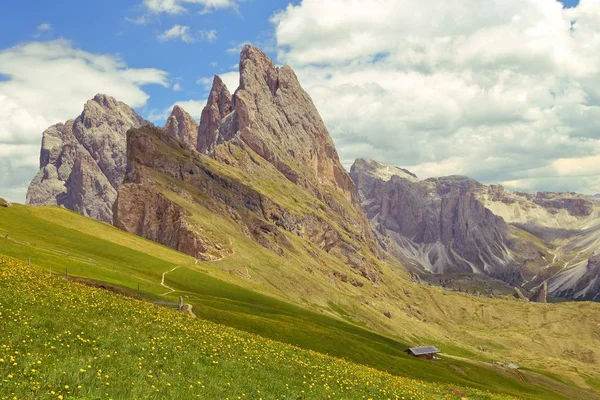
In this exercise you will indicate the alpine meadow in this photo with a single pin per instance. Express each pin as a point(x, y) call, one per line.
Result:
point(300, 200)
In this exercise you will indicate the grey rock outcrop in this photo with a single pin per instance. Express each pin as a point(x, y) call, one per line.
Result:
point(83, 161)
point(182, 126)
point(218, 106)
point(437, 223)
point(5, 203)
point(270, 131)
point(272, 115)
point(539, 296)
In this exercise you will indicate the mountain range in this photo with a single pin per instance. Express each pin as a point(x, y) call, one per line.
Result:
point(261, 159)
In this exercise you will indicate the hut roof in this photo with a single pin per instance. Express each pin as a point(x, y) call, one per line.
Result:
point(417, 351)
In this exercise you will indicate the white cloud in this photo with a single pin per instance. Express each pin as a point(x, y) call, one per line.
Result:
point(181, 32)
point(42, 28)
point(185, 34)
point(177, 87)
point(182, 6)
point(491, 89)
point(140, 20)
point(205, 82)
point(231, 80)
point(40, 90)
point(208, 36)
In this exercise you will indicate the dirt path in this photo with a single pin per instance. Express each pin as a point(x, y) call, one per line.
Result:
point(162, 282)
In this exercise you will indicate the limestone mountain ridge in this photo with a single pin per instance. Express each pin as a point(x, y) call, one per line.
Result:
point(544, 242)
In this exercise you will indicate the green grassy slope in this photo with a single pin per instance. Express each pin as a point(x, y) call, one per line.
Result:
point(109, 255)
point(62, 340)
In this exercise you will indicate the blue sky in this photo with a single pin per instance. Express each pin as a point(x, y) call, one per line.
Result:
point(504, 91)
point(108, 27)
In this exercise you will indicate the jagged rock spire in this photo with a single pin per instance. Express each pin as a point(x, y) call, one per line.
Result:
point(274, 117)
point(218, 106)
point(182, 126)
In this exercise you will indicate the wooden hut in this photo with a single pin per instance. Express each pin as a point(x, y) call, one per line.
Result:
point(425, 352)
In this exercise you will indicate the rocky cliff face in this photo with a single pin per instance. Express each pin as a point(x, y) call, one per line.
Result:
point(182, 126)
point(544, 243)
point(579, 281)
point(266, 163)
point(271, 115)
point(539, 296)
point(146, 212)
point(542, 209)
point(144, 205)
point(82, 161)
point(437, 223)
point(218, 106)
point(567, 224)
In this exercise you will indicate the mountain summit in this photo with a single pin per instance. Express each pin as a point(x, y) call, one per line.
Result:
point(182, 126)
point(266, 164)
point(272, 115)
point(437, 223)
point(82, 161)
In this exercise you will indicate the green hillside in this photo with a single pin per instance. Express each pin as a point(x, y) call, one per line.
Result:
point(64, 340)
point(62, 240)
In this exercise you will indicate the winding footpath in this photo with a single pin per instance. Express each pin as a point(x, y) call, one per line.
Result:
point(162, 282)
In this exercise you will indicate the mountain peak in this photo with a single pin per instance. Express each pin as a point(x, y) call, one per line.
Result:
point(271, 115)
point(217, 84)
point(380, 170)
point(218, 106)
point(178, 110)
point(104, 100)
point(255, 54)
point(182, 126)
point(258, 73)
point(82, 161)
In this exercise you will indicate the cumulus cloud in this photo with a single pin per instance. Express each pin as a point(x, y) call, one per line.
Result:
point(493, 90)
point(208, 36)
point(39, 90)
point(182, 6)
point(185, 34)
point(139, 20)
point(177, 32)
point(42, 28)
point(236, 47)
point(205, 82)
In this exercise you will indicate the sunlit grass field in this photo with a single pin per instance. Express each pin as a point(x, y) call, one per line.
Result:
point(64, 340)
point(61, 240)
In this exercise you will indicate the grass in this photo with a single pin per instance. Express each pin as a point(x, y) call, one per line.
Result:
point(113, 256)
point(63, 340)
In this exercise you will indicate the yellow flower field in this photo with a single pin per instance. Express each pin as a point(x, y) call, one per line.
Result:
point(63, 340)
